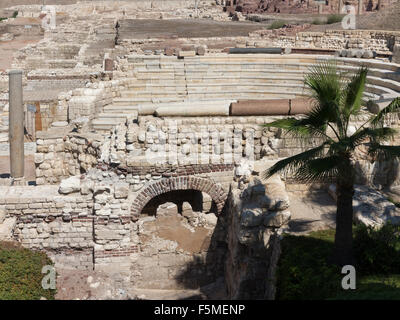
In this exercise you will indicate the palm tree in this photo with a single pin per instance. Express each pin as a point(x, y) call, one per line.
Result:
point(336, 97)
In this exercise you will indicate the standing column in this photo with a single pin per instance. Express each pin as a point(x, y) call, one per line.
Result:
point(340, 6)
point(16, 124)
point(360, 8)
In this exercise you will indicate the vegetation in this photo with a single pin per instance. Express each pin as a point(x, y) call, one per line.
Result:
point(304, 271)
point(318, 22)
point(333, 18)
point(21, 273)
point(15, 14)
point(336, 97)
point(277, 24)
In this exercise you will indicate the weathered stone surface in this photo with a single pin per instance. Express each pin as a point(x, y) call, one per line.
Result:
point(70, 185)
point(277, 219)
point(251, 217)
point(2, 215)
point(121, 190)
point(275, 190)
point(370, 207)
point(6, 228)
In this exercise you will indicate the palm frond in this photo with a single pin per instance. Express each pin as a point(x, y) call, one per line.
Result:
point(393, 107)
point(325, 84)
point(383, 152)
point(298, 128)
point(294, 162)
point(319, 170)
point(354, 91)
point(374, 134)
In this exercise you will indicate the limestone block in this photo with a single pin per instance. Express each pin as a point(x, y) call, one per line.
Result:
point(121, 190)
point(70, 185)
point(276, 192)
point(183, 54)
point(277, 218)
point(396, 53)
point(169, 208)
point(6, 228)
point(371, 207)
point(251, 217)
point(186, 208)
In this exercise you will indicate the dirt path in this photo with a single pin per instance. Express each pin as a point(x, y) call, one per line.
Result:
point(316, 211)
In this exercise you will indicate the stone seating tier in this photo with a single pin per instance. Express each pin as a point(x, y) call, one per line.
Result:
point(206, 81)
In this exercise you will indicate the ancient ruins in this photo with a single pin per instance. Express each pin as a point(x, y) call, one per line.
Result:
point(134, 130)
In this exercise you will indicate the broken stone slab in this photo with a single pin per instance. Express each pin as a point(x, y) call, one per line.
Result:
point(167, 208)
point(6, 228)
point(276, 197)
point(70, 185)
point(277, 219)
point(251, 217)
point(370, 207)
point(186, 209)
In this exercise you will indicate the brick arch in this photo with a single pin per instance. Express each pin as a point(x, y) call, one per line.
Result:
point(215, 191)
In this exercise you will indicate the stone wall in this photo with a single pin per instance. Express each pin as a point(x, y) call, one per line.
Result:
point(379, 41)
point(256, 215)
point(61, 154)
point(42, 219)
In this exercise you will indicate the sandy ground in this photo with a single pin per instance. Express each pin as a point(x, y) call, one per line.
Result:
point(11, 3)
point(314, 212)
point(199, 28)
point(8, 48)
point(96, 285)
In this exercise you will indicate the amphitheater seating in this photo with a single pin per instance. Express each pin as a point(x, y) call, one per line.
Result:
point(165, 81)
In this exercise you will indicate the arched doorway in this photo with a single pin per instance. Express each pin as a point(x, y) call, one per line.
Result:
point(180, 235)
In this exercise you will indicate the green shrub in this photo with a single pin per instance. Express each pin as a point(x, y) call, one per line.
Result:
point(373, 288)
point(333, 18)
point(377, 250)
point(277, 24)
point(304, 272)
point(317, 22)
point(15, 14)
point(21, 273)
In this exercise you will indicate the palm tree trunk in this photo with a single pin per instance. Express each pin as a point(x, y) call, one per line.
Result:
point(343, 254)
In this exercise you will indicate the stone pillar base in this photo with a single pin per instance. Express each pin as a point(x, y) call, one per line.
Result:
point(18, 182)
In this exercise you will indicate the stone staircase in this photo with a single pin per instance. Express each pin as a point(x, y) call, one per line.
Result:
point(207, 81)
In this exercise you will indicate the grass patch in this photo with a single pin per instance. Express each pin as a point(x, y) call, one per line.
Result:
point(305, 273)
point(318, 22)
point(334, 18)
point(21, 273)
point(374, 288)
point(277, 24)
